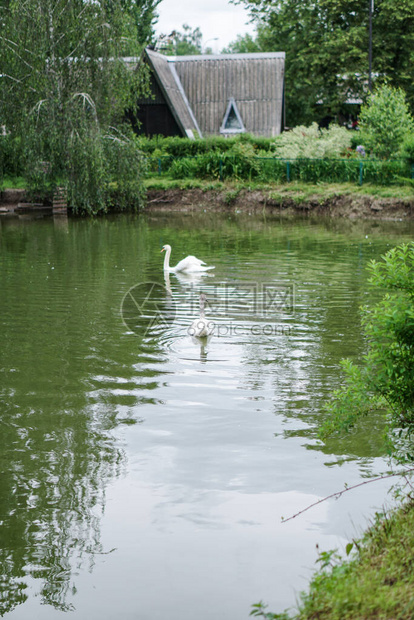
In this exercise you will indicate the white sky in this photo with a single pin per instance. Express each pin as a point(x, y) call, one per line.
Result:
point(215, 18)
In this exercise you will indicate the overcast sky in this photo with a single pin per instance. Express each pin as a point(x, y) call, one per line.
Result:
point(215, 18)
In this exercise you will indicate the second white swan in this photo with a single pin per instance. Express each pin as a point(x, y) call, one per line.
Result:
point(190, 264)
point(201, 327)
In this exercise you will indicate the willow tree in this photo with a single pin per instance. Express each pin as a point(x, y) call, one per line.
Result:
point(64, 90)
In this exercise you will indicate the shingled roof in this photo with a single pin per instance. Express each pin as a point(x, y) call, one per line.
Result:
point(225, 93)
point(174, 94)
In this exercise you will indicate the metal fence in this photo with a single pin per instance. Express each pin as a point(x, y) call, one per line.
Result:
point(221, 166)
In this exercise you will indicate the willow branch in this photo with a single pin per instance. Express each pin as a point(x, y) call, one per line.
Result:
point(338, 494)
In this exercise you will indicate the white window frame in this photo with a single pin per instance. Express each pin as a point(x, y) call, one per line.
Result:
point(232, 105)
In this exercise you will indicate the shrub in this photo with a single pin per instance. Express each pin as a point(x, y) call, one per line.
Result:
point(312, 142)
point(384, 122)
point(184, 147)
point(407, 151)
point(385, 378)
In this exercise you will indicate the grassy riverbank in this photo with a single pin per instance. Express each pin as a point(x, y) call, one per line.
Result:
point(302, 191)
point(332, 199)
point(378, 583)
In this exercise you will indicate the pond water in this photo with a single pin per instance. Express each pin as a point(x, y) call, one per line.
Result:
point(145, 473)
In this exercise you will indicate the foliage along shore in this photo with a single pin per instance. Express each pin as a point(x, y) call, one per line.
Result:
point(378, 581)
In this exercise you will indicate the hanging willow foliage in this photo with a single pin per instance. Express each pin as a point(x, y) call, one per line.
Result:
point(64, 91)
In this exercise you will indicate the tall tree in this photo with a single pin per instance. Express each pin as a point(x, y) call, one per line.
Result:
point(326, 44)
point(64, 87)
point(142, 15)
point(187, 42)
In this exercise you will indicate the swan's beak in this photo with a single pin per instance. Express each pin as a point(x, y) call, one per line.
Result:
point(163, 250)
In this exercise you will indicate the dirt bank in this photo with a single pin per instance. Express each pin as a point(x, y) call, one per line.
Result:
point(345, 205)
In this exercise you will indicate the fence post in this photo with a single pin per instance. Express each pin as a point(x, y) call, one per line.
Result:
point(361, 169)
point(288, 171)
point(159, 165)
point(221, 169)
point(412, 171)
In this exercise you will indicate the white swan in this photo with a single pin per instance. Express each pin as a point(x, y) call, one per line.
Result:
point(187, 265)
point(201, 327)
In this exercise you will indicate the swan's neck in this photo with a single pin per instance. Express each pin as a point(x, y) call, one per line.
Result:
point(167, 282)
point(202, 308)
point(167, 260)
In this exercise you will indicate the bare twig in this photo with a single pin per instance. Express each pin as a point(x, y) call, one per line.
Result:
point(355, 486)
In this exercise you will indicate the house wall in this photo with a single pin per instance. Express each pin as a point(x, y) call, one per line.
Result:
point(154, 116)
point(153, 120)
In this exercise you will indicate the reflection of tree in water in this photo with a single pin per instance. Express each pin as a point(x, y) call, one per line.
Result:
point(302, 368)
point(69, 376)
point(52, 494)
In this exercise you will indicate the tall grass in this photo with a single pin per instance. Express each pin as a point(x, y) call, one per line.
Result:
point(245, 166)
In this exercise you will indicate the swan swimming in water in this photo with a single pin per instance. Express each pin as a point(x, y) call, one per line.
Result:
point(201, 327)
point(189, 264)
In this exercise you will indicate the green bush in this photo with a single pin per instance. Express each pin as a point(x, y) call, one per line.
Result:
point(407, 151)
point(384, 379)
point(385, 122)
point(306, 154)
point(310, 142)
point(184, 147)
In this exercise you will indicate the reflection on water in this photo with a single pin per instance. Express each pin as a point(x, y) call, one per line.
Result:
point(138, 462)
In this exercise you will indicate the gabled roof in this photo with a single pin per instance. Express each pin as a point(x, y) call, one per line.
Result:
point(174, 94)
point(200, 89)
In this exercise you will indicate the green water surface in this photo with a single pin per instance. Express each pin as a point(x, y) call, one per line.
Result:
point(144, 473)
